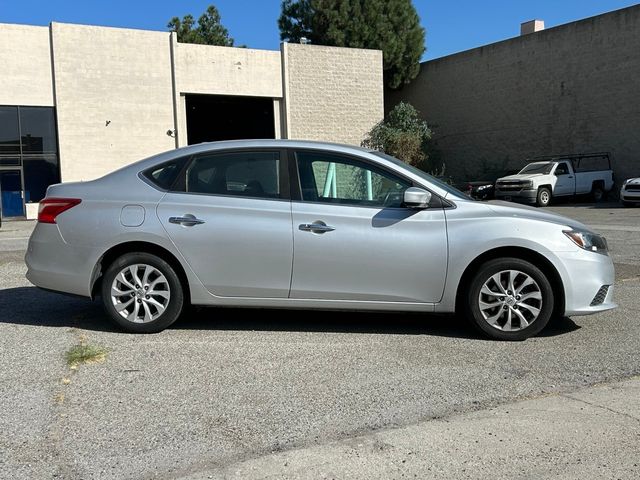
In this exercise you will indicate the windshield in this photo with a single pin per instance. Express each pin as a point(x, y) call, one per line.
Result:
point(538, 167)
point(429, 178)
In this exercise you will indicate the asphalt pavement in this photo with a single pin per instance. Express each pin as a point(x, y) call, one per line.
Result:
point(253, 394)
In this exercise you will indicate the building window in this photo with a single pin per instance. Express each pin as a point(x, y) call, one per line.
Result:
point(9, 131)
point(29, 145)
point(38, 130)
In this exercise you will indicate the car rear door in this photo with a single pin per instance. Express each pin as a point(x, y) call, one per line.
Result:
point(354, 241)
point(230, 217)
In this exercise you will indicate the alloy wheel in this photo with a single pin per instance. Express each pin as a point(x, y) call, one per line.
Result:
point(140, 293)
point(510, 300)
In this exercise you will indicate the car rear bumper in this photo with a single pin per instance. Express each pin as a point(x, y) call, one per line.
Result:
point(53, 264)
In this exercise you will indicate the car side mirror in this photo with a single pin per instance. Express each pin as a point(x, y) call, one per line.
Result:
point(415, 197)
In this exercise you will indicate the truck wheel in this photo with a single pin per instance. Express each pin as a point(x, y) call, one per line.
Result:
point(597, 193)
point(544, 197)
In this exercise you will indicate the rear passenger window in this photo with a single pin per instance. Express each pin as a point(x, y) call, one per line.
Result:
point(246, 174)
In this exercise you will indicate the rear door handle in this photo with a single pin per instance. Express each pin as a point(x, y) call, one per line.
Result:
point(316, 227)
point(187, 220)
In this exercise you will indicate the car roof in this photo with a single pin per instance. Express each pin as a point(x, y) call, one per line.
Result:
point(268, 143)
point(232, 144)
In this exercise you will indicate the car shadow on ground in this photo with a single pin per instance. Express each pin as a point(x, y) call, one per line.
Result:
point(34, 307)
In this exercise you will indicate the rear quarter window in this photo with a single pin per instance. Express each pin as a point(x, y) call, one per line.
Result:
point(163, 176)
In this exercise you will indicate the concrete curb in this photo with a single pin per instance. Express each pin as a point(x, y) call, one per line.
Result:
point(590, 433)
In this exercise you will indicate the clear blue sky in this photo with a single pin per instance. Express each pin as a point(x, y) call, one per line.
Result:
point(452, 26)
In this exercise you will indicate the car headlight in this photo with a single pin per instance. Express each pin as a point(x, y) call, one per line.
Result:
point(588, 240)
point(484, 187)
point(528, 184)
point(626, 181)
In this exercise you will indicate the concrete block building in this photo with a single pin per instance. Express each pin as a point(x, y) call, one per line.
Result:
point(79, 101)
point(571, 89)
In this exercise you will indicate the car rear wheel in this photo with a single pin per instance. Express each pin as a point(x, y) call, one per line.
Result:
point(597, 193)
point(544, 197)
point(510, 299)
point(142, 293)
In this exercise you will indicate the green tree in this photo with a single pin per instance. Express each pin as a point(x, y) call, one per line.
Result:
point(208, 30)
point(392, 26)
point(404, 135)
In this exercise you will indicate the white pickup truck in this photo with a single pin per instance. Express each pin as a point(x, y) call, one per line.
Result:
point(542, 180)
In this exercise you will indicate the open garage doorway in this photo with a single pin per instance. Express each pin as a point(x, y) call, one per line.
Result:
point(219, 117)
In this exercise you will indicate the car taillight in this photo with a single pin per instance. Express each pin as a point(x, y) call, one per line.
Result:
point(50, 208)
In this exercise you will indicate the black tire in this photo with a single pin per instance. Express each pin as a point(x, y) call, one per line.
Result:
point(546, 304)
point(544, 197)
point(597, 193)
point(175, 300)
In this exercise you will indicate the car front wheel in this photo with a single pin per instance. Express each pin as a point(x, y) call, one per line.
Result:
point(142, 293)
point(510, 299)
point(544, 197)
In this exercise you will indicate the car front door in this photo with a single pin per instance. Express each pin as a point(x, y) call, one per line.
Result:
point(565, 180)
point(230, 218)
point(353, 240)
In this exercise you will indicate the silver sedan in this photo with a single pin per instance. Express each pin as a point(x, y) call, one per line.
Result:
point(293, 224)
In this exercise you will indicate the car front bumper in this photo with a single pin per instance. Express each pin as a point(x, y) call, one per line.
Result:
point(525, 196)
point(630, 195)
point(584, 276)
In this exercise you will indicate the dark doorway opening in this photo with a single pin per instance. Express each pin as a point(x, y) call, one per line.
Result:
point(212, 118)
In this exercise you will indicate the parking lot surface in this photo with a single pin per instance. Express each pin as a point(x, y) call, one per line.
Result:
point(227, 391)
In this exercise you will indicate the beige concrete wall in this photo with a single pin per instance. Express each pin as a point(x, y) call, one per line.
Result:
point(118, 91)
point(227, 71)
point(213, 70)
point(25, 63)
point(331, 94)
point(569, 89)
point(112, 75)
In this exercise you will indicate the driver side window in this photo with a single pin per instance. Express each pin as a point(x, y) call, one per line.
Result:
point(562, 169)
point(335, 179)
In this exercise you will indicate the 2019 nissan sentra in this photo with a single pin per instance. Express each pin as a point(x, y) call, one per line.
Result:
point(296, 224)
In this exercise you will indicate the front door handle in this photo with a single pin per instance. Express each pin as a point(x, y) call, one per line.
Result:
point(187, 220)
point(316, 227)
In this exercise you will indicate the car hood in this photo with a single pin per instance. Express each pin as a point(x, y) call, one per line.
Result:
point(634, 181)
point(524, 176)
point(508, 209)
